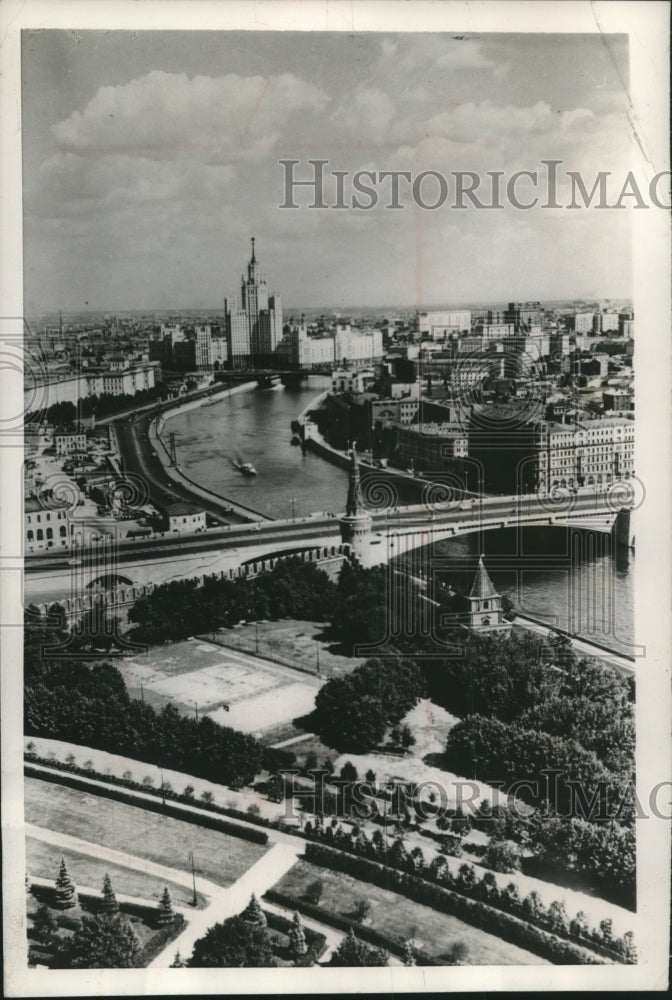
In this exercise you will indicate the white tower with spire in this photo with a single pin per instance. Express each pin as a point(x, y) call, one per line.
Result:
point(356, 523)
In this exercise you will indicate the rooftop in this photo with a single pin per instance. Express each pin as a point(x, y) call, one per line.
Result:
point(181, 507)
point(482, 585)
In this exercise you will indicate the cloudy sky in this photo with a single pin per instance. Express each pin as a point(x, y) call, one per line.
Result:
point(151, 157)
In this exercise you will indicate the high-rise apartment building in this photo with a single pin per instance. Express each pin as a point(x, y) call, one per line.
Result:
point(253, 331)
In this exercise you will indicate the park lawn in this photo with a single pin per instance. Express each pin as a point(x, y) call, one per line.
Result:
point(402, 919)
point(218, 857)
point(42, 861)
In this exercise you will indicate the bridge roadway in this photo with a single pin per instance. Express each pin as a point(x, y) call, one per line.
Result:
point(169, 557)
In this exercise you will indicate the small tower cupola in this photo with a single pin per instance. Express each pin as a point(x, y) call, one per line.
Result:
point(485, 604)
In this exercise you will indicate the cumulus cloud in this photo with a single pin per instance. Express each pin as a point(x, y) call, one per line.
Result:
point(368, 112)
point(166, 115)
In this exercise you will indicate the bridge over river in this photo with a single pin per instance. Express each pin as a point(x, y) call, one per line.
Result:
point(380, 535)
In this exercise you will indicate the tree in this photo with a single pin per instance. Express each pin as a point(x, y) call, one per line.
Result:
point(557, 915)
point(451, 844)
point(253, 913)
point(100, 942)
point(109, 904)
point(533, 908)
point(408, 957)
point(352, 952)
point(407, 739)
point(501, 856)
point(66, 897)
point(579, 926)
point(233, 944)
point(166, 911)
point(606, 930)
point(178, 962)
point(314, 891)
point(467, 878)
point(275, 789)
point(510, 898)
point(362, 910)
point(297, 937)
point(349, 771)
point(44, 925)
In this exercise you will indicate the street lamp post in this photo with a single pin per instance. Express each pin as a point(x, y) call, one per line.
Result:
point(194, 900)
point(293, 503)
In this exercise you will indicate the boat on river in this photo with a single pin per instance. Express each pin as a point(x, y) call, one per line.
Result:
point(246, 468)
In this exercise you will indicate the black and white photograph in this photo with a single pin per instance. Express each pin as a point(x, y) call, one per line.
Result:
point(335, 456)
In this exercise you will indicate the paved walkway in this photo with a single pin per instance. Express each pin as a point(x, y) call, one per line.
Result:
point(228, 902)
point(575, 900)
point(224, 902)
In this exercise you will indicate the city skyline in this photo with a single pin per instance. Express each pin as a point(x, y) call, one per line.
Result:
point(155, 156)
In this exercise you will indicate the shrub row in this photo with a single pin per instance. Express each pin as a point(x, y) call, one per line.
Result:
point(211, 822)
point(368, 934)
point(487, 918)
point(467, 883)
point(158, 941)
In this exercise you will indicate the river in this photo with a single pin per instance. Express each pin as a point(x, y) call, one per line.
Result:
point(589, 592)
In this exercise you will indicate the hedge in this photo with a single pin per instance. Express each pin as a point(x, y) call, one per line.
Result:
point(158, 941)
point(368, 934)
point(487, 918)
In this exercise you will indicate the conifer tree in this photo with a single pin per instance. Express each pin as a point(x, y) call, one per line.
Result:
point(253, 913)
point(408, 958)
point(109, 905)
point(66, 896)
point(297, 937)
point(178, 962)
point(166, 911)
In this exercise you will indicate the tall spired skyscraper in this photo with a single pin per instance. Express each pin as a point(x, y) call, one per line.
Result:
point(255, 329)
point(254, 297)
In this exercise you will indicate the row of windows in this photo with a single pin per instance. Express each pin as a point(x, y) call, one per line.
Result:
point(38, 517)
point(63, 531)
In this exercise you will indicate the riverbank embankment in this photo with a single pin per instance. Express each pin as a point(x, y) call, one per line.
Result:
point(175, 473)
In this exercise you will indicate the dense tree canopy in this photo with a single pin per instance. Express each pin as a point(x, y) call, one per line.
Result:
point(182, 608)
point(235, 944)
point(100, 942)
point(353, 712)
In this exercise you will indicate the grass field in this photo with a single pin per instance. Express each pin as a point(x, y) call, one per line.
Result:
point(218, 857)
point(42, 860)
point(402, 919)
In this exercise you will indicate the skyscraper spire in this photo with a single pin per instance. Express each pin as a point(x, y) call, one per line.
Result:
point(355, 503)
point(254, 259)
